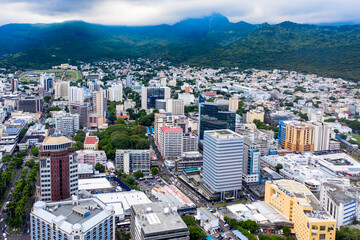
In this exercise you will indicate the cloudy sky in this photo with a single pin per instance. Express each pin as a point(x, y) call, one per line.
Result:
point(151, 12)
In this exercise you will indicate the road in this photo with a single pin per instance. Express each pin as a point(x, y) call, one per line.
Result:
point(4, 215)
point(172, 179)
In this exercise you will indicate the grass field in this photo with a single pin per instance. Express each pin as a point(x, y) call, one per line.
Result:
point(72, 75)
point(357, 137)
point(69, 76)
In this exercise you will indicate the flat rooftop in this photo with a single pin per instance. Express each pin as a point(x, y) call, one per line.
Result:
point(127, 198)
point(305, 197)
point(158, 217)
point(223, 134)
point(94, 184)
point(85, 214)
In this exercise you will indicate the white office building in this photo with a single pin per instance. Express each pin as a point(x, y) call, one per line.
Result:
point(68, 124)
point(115, 92)
point(130, 160)
point(76, 95)
point(62, 89)
point(338, 203)
point(171, 142)
point(321, 136)
point(160, 121)
point(223, 161)
point(190, 142)
point(175, 106)
point(87, 219)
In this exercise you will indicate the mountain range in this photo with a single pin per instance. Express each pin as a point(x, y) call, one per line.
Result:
point(213, 41)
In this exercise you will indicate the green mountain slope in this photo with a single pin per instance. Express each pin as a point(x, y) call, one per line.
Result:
point(211, 41)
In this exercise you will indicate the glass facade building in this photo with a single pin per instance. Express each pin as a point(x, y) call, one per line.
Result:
point(215, 116)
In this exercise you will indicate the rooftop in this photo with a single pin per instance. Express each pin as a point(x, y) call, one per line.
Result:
point(56, 139)
point(126, 198)
point(223, 134)
point(158, 217)
point(94, 184)
point(171, 130)
point(91, 140)
point(304, 196)
point(84, 213)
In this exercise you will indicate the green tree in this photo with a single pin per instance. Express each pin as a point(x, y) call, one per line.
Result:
point(35, 151)
point(53, 109)
point(251, 226)
point(138, 174)
point(278, 167)
point(154, 171)
point(99, 167)
point(120, 121)
point(189, 220)
point(196, 233)
point(47, 99)
point(286, 230)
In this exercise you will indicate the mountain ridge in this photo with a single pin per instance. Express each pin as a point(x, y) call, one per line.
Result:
point(210, 41)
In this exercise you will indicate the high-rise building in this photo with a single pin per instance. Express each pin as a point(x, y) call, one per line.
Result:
point(282, 133)
point(76, 95)
point(175, 106)
point(321, 136)
point(223, 161)
point(67, 124)
point(30, 104)
point(190, 142)
point(150, 94)
point(99, 107)
point(233, 104)
point(115, 92)
point(99, 103)
point(62, 89)
point(160, 121)
point(298, 204)
point(58, 168)
point(46, 81)
point(129, 79)
point(82, 110)
point(251, 164)
point(215, 116)
point(171, 142)
point(158, 220)
point(132, 160)
point(299, 137)
point(14, 84)
point(88, 219)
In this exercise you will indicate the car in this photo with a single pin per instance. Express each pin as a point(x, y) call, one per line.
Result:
point(1, 220)
point(28, 231)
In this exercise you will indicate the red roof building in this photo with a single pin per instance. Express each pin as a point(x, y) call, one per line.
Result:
point(91, 143)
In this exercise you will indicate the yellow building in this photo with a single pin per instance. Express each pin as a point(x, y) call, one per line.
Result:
point(254, 115)
point(299, 137)
point(296, 202)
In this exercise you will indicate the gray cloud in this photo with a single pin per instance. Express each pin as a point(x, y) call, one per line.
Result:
point(151, 12)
